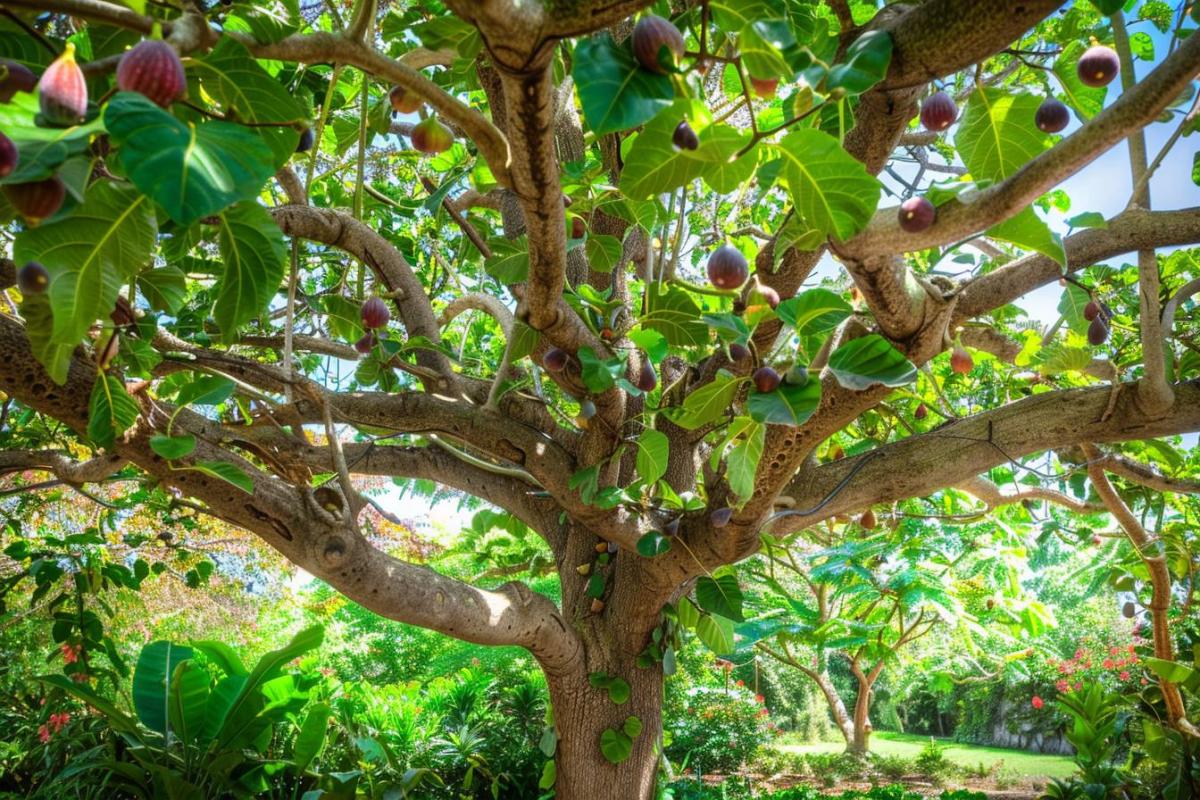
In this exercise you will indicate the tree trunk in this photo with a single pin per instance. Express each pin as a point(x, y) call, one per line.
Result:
point(861, 742)
point(582, 714)
point(837, 708)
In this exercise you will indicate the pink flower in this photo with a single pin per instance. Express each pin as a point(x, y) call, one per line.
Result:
point(1124, 676)
point(758, 698)
point(1108, 663)
point(44, 733)
point(1038, 702)
point(1063, 686)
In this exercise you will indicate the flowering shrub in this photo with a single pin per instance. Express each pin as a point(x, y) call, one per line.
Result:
point(719, 729)
point(1112, 667)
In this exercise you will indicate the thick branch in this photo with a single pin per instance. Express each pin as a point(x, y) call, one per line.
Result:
point(995, 496)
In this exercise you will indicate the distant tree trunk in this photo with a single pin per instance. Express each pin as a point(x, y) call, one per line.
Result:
point(837, 707)
point(860, 742)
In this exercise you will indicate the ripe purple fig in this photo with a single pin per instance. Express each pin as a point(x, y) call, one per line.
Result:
point(738, 352)
point(647, 377)
point(1091, 310)
point(9, 157)
point(555, 360)
point(961, 361)
point(764, 87)
point(152, 68)
point(917, 214)
point(727, 267)
point(922, 411)
point(37, 200)
point(366, 343)
point(1097, 332)
point(938, 112)
point(62, 91)
point(1098, 66)
point(33, 278)
point(375, 313)
point(651, 36)
point(306, 141)
point(15, 78)
point(403, 101)
point(684, 137)
point(1052, 116)
point(431, 136)
point(720, 517)
point(766, 379)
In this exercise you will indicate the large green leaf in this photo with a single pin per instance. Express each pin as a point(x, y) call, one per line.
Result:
point(254, 254)
point(861, 363)
point(616, 93)
point(830, 188)
point(1026, 229)
point(311, 737)
point(674, 314)
point(653, 450)
point(164, 287)
point(996, 136)
point(191, 170)
point(39, 326)
point(110, 411)
point(716, 633)
point(89, 255)
point(654, 165)
point(152, 682)
point(814, 311)
point(615, 746)
point(188, 701)
point(790, 404)
point(720, 595)
point(708, 403)
point(864, 65)
point(742, 461)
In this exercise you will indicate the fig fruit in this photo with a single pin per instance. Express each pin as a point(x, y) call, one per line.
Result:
point(375, 313)
point(916, 214)
point(867, 520)
point(938, 112)
point(768, 295)
point(555, 360)
point(651, 36)
point(403, 101)
point(33, 278)
point(152, 68)
point(1129, 610)
point(1091, 310)
point(587, 409)
point(9, 157)
point(367, 343)
point(922, 411)
point(1098, 66)
point(1097, 332)
point(15, 78)
point(62, 91)
point(720, 517)
point(766, 379)
point(578, 228)
point(796, 376)
point(991, 604)
point(684, 137)
point(1097, 541)
point(837, 454)
point(738, 352)
point(1052, 116)
point(961, 361)
point(306, 141)
point(727, 267)
point(764, 87)
point(122, 314)
point(431, 136)
point(37, 200)
point(647, 378)
point(597, 605)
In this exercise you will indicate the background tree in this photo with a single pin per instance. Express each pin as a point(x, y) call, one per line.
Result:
point(186, 324)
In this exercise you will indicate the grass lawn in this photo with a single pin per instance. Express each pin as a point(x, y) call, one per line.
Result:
point(1035, 765)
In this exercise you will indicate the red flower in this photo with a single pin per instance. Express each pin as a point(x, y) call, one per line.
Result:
point(1108, 663)
point(1124, 676)
point(741, 683)
point(44, 733)
point(758, 698)
point(1063, 686)
point(1038, 702)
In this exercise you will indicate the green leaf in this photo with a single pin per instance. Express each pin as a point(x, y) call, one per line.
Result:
point(110, 411)
point(549, 775)
point(595, 586)
point(191, 170)
point(187, 701)
point(995, 137)
point(1088, 219)
point(864, 65)
point(618, 691)
point(632, 727)
point(600, 375)
point(615, 745)
point(614, 90)
point(1170, 671)
point(173, 447)
point(254, 254)
point(311, 736)
point(653, 164)
point(761, 44)
point(674, 314)
point(742, 461)
point(707, 404)
point(152, 682)
point(720, 595)
point(510, 260)
point(603, 252)
point(832, 191)
point(39, 327)
point(205, 390)
point(653, 452)
point(165, 288)
point(1108, 7)
point(813, 312)
point(716, 633)
point(226, 472)
point(653, 544)
point(861, 363)
point(788, 405)
point(652, 343)
point(1026, 229)
point(90, 254)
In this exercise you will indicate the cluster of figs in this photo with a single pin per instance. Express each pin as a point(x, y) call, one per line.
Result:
point(429, 135)
point(1097, 67)
point(151, 68)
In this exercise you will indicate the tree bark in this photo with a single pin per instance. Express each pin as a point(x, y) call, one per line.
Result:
point(837, 708)
point(860, 744)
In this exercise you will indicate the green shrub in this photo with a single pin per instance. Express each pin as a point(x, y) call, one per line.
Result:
point(718, 731)
point(893, 767)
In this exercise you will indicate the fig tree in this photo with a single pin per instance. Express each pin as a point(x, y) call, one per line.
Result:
point(375, 313)
point(403, 101)
point(15, 78)
point(684, 137)
point(1098, 66)
point(37, 200)
point(938, 112)
point(651, 37)
point(62, 91)
point(916, 214)
point(152, 68)
point(33, 278)
point(431, 136)
point(766, 379)
point(9, 157)
point(727, 267)
point(1052, 116)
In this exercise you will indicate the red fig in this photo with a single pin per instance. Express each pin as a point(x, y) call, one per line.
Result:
point(922, 411)
point(555, 360)
point(431, 136)
point(738, 352)
point(1098, 66)
point(578, 227)
point(647, 378)
point(367, 343)
point(9, 157)
point(37, 200)
point(720, 517)
point(916, 214)
point(766, 379)
point(727, 267)
point(152, 68)
point(867, 520)
point(961, 361)
point(651, 36)
point(1091, 310)
point(403, 101)
point(375, 313)
point(1052, 116)
point(764, 87)
point(938, 112)
point(684, 137)
point(1097, 332)
point(62, 91)
point(33, 278)
point(15, 78)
